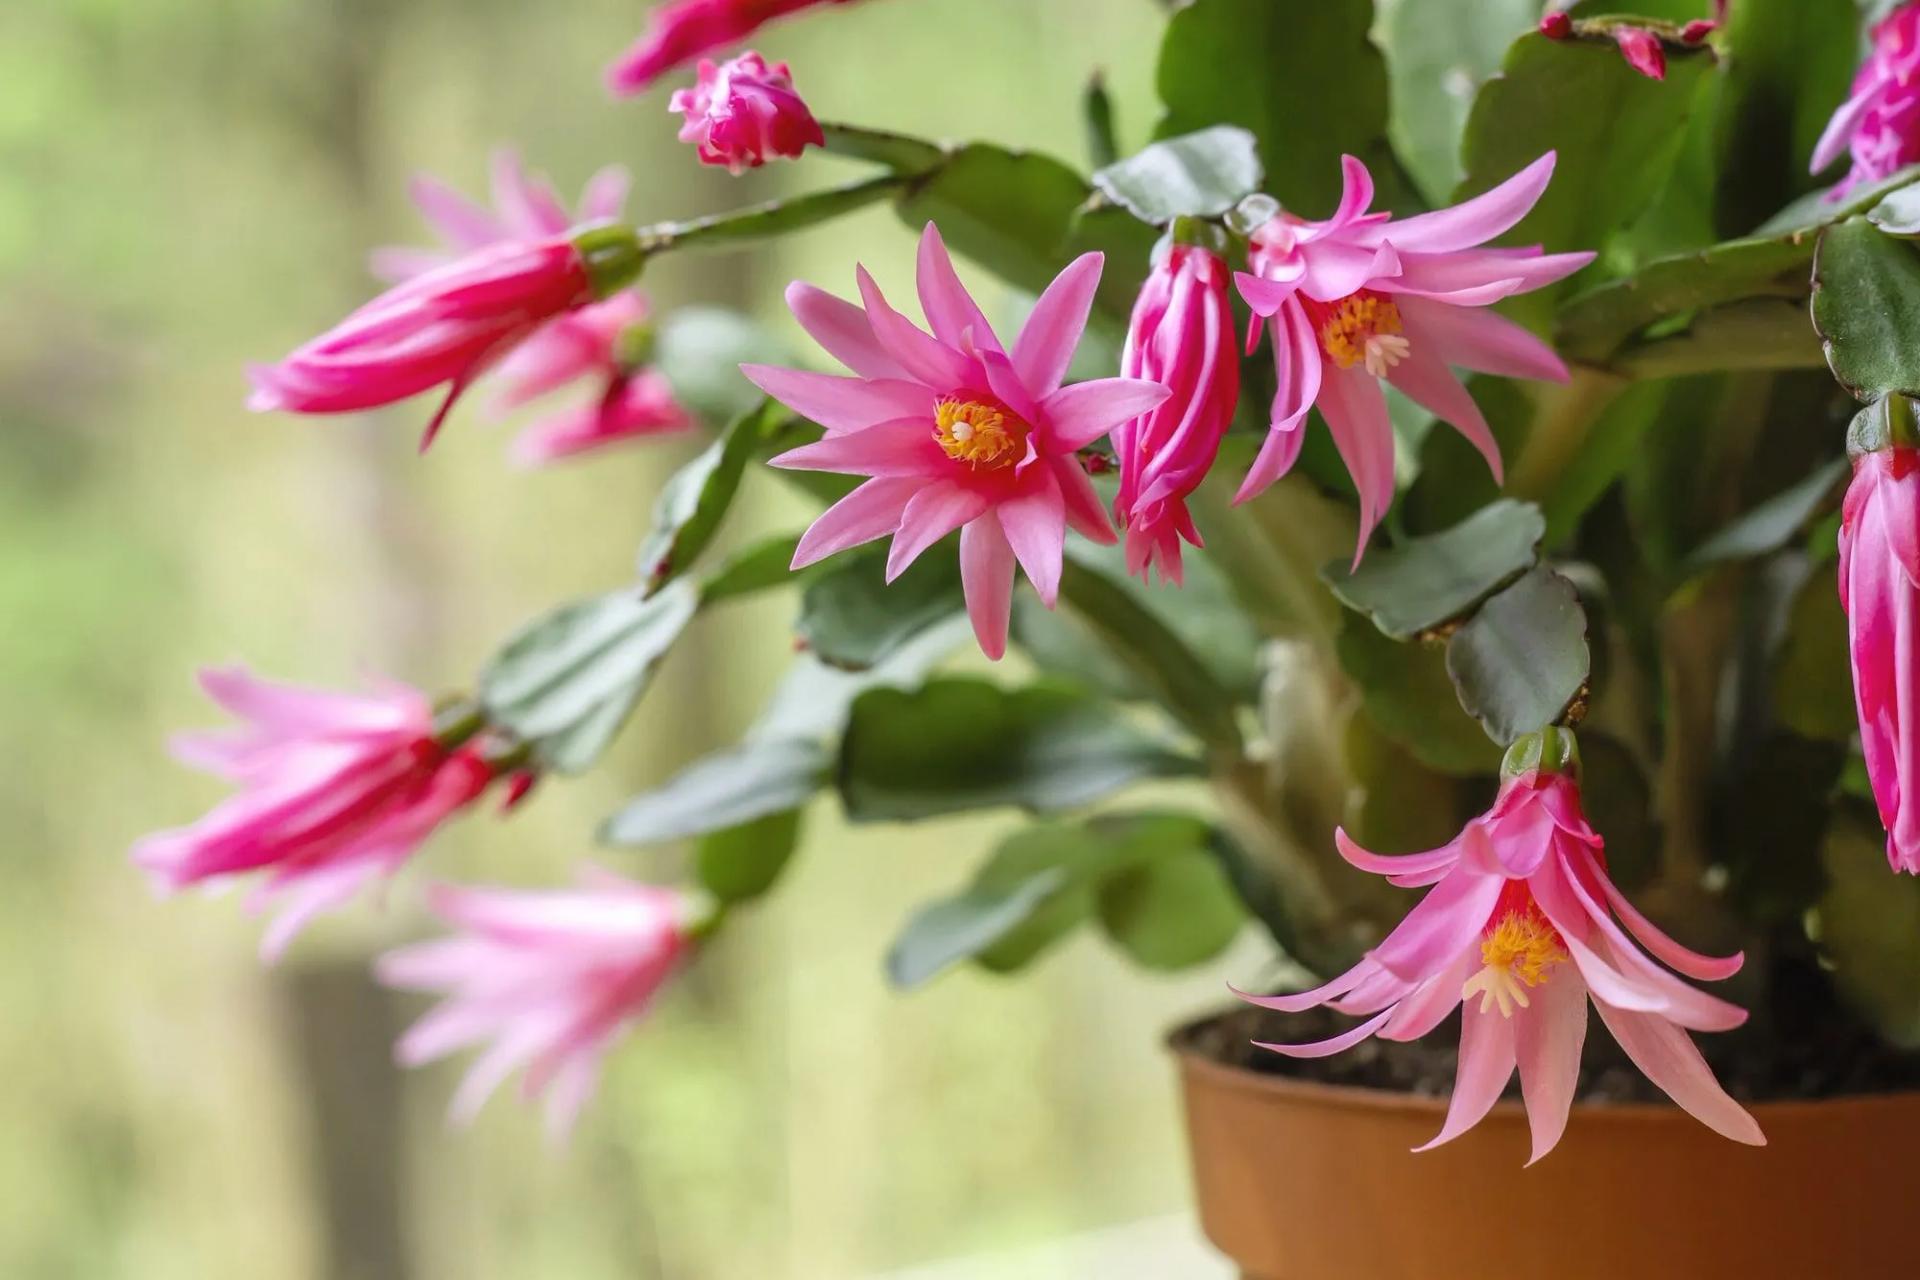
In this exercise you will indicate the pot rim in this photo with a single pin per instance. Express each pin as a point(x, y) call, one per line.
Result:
point(1238, 1079)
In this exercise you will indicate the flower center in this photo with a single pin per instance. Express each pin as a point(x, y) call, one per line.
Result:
point(984, 436)
point(1520, 948)
point(1362, 328)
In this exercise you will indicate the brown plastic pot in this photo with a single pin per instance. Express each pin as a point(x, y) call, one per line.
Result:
point(1304, 1181)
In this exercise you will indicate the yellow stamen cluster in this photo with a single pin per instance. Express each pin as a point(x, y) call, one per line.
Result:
point(1364, 328)
point(984, 436)
point(1517, 953)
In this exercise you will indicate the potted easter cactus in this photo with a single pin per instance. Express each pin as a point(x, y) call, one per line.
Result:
point(1466, 458)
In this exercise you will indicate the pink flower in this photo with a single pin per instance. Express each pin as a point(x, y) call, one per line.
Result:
point(1556, 24)
point(1360, 297)
point(1520, 929)
point(552, 979)
point(954, 431)
point(445, 327)
point(1880, 589)
point(1642, 50)
point(1181, 336)
point(635, 407)
point(681, 30)
point(1880, 122)
point(336, 791)
point(742, 111)
point(525, 209)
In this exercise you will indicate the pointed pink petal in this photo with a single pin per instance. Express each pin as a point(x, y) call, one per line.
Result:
point(986, 576)
point(1356, 414)
point(842, 329)
point(1395, 864)
point(1441, 925)
point(605, 194)
point(1475, 277)
point(926, 359)
point(1036, 526)
point(526, 204)
point(460, 222)
point(1667, 1057)
point(1428, 1004)
point(1548, 1037)
point(1046, 343)
point(1276, 457)
point(1356, 192)
point(1264, 297)
point(1481, 340)
point(1078, 415)
point(1474, 221)
point(1839, 132)
point(904, 447)
point(951, 310)
point(1300, 1001)
point(1704, 968)
point(1486, 1064)
point(1085, 513)
point(869, 512)
point(929, 516)
point(842, 404)
point(1327, 1048)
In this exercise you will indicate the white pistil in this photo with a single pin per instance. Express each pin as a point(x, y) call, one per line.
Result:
point(1499, 985)
point(1384, 351)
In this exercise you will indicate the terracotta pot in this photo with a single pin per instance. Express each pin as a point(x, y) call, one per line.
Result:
point(1303, 1181)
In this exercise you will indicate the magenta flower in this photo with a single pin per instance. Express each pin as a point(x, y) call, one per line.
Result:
point(681, 30)
point(954, 431)
point(1880, 122)
point(1880, 589)
point(742, 111)
point(1520, 929)
point(635, 407)
point(336, 791)
point(1361, 297)
point(552, 979)
point(1181, 336)
point(1642, 50)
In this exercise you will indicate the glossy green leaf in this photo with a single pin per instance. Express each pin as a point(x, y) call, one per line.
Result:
point(699, 350)
point(1059, 642)
point(1423, 582)
point(1439, 52)
point(753, 780)
point(897, 151)
point(952, 930)
point(814, 700)
point(1866, 308)
point(762, 566)
point(567, 682)
point(1520, 661)
point(852, 617)
point(958, 744)
point(1009, 211)
point(695, 500)
point(1772, 524)
point(1171, 912)
point(1302, 75)
point(1409, 696)
point(1868, 927)
point(1202, 174)
point(738, 864)
point(1816, 209)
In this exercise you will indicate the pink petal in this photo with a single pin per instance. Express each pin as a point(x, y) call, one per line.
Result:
point(1846, 122)
point(1300, 1001)
point(1424, 379)
point(1481, 340)
point(1356, 192)
point(526, 203)
point(1327, 1048)
point(460, 222)
point(1085, 513)
point(1046, 343)
point(1036, 525)
point(1486, 1064)
point(929, 516)
point(1396, 865)
point(842, 404)
point(1277, 455)
point(1705, 968)
point(1356, 414)
point(1078, 415)
point(1667, 1057)
point(986, 575)
point(605, 194)
point(926, 359)
point(1548, 1037)
point(1441, 925)
point(842, 329)
point(904, 447)
point(869, 512)
point(1264, 297)
point(950, 309)
point(1474, 221)
point(1428, 1005)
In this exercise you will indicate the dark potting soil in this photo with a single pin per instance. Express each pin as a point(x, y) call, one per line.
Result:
point(1804, 1044)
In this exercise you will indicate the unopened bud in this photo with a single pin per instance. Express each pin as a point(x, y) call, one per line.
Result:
point(1697, 30)
point(1556, 25)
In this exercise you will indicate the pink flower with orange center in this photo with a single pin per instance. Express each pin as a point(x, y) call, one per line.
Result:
point(1880, 121)
point(337, 791)
point(681, 30)
point(1362, 298)
point(955, 431)
point(1521, 930)
point(552, 979)
point(743, 111)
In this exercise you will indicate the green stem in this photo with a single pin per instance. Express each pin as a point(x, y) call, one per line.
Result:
point(743, 227)
point(1563, 417)
point(900, 152)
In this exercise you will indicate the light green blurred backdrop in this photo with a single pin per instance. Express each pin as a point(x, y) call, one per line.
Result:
point(187, 185)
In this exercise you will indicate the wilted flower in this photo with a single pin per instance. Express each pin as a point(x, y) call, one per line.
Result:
point(550, 978)
point(1360, 298)
point(1880, 121)
point(954, 431)
point(1880, 589)
point(681, 30)
point(336, 791)
point(743, 111)
point(1520, 929)
point(1181, 336)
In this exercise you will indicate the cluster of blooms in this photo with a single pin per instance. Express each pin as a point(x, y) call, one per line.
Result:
point(951, 430)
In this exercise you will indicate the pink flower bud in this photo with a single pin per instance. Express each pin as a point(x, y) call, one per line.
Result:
point(1697, 30)
point(742, 111)
point(1182, 337)
point(1642, 50)
point(1556, 25)
point(1880, 122)
point(1880, 590)
point(682, 30)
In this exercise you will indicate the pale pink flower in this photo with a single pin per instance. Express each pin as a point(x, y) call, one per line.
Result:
point(743, 111)
point(550, 978)
point(1522, 928)
point(639, 406)
point(1880, 589)
point(1181, 336)
point(954, 431)
point(681, 30)
point(1642, 50)
point(1360, 298)
point(336, 792)
point(1880, 121)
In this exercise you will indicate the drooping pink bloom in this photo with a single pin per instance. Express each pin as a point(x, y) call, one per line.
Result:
point(550, 978)
point(743, 111)
point(681, 30)
point(1880, 589)
point(525, 208)
point(1521, 929)
point(1642, 50)
point(1880, 121)
point(336, 792)
point(1181, 336)
point(1360, 297)
point(639, 406)
point(955, 431)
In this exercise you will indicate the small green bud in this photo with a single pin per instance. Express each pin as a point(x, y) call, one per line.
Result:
point(1550, 750)
point(614, 257)
point(1887, 423)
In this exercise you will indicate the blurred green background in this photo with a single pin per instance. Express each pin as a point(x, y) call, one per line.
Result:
point(188, 185)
